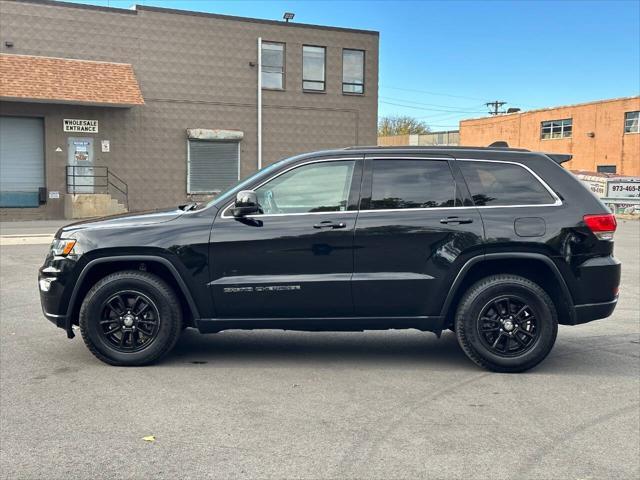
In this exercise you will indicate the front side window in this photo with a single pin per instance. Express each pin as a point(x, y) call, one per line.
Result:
point(313, 64)
point(273, 65)
point(317, 187)
point(556, 129)
point(212, 167)
point(399, 184)
point(503, 184)
point(632, 122)
point(353, 71)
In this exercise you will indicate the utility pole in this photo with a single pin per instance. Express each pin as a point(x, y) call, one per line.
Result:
point(495, 107)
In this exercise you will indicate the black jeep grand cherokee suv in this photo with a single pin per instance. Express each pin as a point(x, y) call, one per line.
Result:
point(499, 245)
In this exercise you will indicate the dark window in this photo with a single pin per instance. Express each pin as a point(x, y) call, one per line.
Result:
point(496, 183)
point(273, 65)
point(317, 187)
point(632, 122)
point(313, 59)
point(412, 184)
point(556, 129)
point(606, 168)
point(353, 71)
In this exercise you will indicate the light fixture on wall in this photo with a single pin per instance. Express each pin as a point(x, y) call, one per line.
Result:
point(591, 134)
point(288, 16)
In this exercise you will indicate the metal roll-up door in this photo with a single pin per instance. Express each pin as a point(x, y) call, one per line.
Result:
point(21, 161)
point(214, 166)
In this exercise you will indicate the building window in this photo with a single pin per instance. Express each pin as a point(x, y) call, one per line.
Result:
point(313, 72)
point(273, 65)
point(606, 168)
point(212, 167)
point(556, 129)
point(632, 122)
point(353, 71)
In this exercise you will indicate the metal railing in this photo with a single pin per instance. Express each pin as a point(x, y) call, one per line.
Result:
point(97, 179)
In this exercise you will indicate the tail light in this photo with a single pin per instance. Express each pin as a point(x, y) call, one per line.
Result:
point(602, 226)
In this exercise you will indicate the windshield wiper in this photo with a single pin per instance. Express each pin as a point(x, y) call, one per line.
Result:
point(188, 206)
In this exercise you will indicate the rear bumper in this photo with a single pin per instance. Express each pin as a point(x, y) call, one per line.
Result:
point(594, 311)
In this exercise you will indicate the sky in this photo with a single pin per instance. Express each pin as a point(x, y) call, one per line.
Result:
point(440, 61)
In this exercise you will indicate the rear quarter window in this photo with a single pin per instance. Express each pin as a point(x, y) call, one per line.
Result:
point(503, 184)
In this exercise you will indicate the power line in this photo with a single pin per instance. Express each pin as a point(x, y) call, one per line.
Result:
point(495, 107)
point(431, 93)
point(429, 109)
point(411, 102)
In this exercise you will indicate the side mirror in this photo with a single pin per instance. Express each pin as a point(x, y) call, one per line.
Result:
point(246, 204)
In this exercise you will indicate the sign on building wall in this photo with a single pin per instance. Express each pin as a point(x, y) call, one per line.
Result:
point(77, 125)
point(597, 185)
point(623, 188)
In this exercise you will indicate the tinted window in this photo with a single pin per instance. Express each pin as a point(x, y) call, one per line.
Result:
point(412, 184)
point(503, 184)
point(317, 187)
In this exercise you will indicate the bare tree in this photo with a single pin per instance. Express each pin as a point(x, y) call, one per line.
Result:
point(401, 125)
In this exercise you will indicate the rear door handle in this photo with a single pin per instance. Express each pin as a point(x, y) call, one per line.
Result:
point(456, 220)
point(329, 224)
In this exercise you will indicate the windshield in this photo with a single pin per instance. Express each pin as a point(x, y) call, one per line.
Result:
point(224, 196)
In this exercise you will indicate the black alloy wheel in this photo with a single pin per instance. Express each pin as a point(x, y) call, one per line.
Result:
point(130, 318)
point(130, 321)
point(506, 323)
point(507, 326)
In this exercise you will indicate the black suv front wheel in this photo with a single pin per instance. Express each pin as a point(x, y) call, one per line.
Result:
point(130, 318)
point(506, 323)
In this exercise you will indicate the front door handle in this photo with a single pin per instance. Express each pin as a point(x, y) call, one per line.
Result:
point(456, 220)
point(329, 224)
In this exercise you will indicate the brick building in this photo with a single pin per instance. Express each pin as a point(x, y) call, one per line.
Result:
point(602, 136)
point(163, 106)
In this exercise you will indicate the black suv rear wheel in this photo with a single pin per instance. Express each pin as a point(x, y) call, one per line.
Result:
point(506, 323)
point(130, 318)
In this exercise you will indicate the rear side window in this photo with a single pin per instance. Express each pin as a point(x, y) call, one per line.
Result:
point(495, 183)
point(412, 184)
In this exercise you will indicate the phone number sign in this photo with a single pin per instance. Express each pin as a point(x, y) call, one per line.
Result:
point(623, 189)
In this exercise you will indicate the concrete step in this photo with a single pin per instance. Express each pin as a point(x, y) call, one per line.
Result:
point(88, 205)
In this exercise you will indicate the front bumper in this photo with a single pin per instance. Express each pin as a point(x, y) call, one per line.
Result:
point(54, 285)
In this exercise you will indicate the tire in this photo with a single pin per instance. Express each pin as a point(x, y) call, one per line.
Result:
point(152, 333)
point(492, 308)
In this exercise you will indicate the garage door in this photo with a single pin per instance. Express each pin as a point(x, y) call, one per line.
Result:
point(21, 161)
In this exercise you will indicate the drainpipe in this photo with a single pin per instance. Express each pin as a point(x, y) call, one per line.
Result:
point(259, 103)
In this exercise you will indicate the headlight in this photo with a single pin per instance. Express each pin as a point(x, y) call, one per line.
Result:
point(62, 246)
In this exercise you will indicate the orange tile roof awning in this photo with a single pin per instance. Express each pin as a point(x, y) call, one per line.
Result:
point(30, 78)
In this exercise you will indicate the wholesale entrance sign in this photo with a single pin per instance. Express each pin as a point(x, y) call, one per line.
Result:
point(77, 125)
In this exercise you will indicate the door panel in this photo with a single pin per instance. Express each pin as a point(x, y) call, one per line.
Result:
point(293, 264)
point(406, 258)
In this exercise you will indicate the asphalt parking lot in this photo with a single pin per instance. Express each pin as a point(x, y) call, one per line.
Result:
point(271, 404)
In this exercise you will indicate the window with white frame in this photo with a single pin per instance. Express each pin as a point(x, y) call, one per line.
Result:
point(556, 129)
point(352, 71)
point(212, 166)
point(273, 65)
point(313, 68)
point(632, 122)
